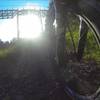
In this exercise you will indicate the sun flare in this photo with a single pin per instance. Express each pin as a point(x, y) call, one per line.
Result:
point(29, 26)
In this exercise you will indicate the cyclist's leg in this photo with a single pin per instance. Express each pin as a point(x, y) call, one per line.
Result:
point(50, 20)
point(50, 31)
point(60, 32)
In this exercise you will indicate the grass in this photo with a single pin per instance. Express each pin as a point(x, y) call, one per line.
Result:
point(5, 52)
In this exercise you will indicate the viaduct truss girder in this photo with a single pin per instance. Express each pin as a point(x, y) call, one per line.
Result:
point(10, 13)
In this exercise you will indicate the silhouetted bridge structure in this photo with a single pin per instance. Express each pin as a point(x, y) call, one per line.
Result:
point(11, 13)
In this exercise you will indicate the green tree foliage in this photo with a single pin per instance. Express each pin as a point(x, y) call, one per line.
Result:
point(92, 50)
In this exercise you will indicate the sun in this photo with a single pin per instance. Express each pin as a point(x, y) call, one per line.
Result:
point(30, 26)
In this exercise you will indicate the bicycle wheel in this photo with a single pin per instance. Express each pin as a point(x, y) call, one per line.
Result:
point(78, 46)
point(83, 43)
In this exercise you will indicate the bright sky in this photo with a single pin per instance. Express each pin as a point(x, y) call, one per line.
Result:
point(29, 24)
point(6, 4)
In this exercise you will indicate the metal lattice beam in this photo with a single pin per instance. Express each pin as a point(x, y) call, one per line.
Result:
point(10, 13)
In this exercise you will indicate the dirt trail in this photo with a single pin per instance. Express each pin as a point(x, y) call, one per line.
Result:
point(27, 74)
point(30, 74)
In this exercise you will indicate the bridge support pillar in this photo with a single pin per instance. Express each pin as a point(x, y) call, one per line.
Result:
point(18, 32)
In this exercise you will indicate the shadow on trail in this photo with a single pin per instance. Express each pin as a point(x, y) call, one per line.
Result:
point(29, 74)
